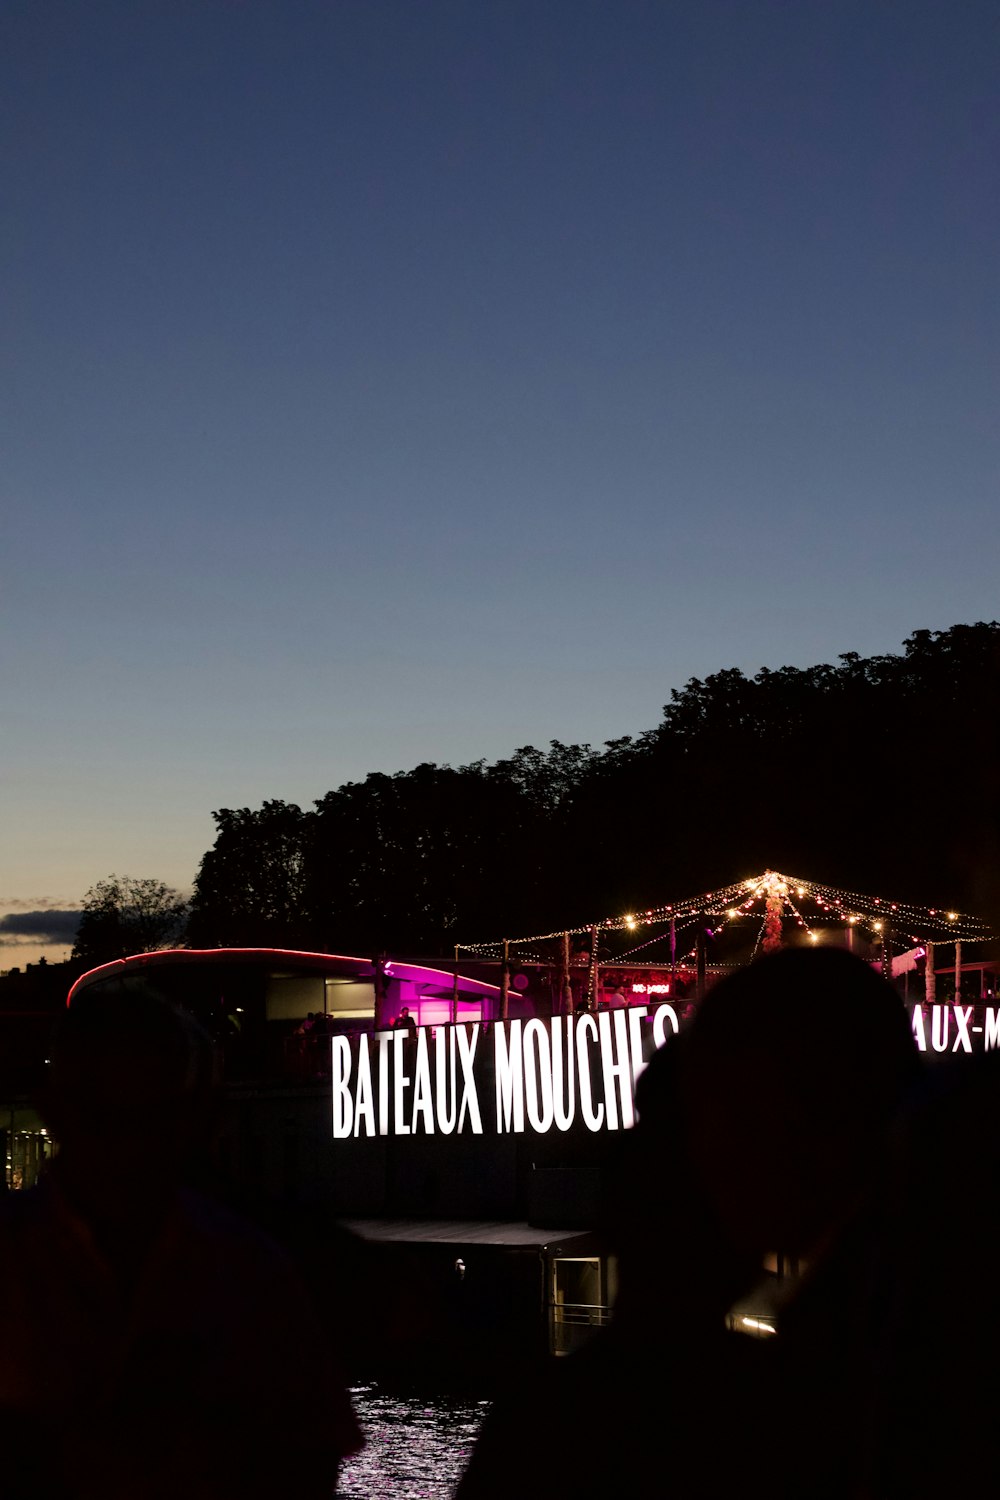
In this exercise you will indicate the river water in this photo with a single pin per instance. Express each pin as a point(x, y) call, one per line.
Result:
point(417, 1446)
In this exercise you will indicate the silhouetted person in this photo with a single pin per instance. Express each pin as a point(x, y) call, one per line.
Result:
point(796, 1068)
point(151, 1344)
point(934, 1296)
point(759, 1130)
point(796, 1065)
point(638, 1411)
point(405, 1022)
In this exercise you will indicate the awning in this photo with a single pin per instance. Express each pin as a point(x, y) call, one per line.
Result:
point(512, 1236)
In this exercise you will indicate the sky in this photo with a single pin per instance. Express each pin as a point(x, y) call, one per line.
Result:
point(402, 380)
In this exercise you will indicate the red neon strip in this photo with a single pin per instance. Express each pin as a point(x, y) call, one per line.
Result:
point(220, 955)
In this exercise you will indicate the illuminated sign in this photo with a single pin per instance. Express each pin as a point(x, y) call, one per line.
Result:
point(526, 1075)
point(651, 989)
point(956, 1028)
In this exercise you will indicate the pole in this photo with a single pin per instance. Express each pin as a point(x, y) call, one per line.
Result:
point(592, 976)
point(958, 973)
point(565, 985)
point(673, 956)
point(454, 990)
point(504, 980)
point(930, 982)
point(379, 985)
point(701, 965)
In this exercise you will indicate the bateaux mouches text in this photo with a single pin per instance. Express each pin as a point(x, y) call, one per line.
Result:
point(523, 1075)
point(956, 1028)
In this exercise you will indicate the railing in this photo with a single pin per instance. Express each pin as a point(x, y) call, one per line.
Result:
point(571, 1324)
point(307, 1058)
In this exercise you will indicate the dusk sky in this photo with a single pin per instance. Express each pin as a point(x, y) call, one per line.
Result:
point(400, 380)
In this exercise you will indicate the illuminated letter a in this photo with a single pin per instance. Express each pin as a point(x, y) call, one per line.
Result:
point(343, 1110)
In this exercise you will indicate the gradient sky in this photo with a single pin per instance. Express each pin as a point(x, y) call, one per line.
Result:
point(389, 382)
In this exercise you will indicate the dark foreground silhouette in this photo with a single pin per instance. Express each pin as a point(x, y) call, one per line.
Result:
point(152, 1344)
point(759, 1131)
point(934, 1304)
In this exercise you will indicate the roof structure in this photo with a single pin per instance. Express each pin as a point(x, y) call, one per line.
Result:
point(287, 960)
point(808, 906)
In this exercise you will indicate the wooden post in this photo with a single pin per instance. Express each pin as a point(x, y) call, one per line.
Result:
point(565, 986)
point(930, 982)
point(379, 985)
point(958, 972)
point(454, 990)
point(504, 980)
point(592, 976)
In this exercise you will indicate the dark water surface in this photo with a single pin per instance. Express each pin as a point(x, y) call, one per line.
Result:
point(417, 1446)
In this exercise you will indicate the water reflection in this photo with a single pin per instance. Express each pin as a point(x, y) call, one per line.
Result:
point(417, 1446)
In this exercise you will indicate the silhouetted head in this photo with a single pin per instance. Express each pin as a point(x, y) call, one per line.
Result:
point(659, 1220)
point(792, 1070)
point(128, 1096)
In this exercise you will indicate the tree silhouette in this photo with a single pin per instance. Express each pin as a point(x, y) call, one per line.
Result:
point(250, 890)
point(870, 773)
point(123, 915)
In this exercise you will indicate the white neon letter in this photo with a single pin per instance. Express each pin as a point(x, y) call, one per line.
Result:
point(963, 1015)
point(919, 1034)
point(509, 1077)
point(563, 1078)
point(364, 1105)
point(467, 1044)
point(443, 1040)
point(538, 1076)
point(940, 1024)
point(661, 1015)
point(614, 1062)
point(341, 1075)
point(636, 1016)
point(592, 1118)
point(422, 1100)
point(992, 1029)
point(400, 1082)
point(382, 1040)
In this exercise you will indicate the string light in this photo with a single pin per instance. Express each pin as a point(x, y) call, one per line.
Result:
point(854, 908)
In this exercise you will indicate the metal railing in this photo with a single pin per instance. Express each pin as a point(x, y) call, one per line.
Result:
point(571, 1324)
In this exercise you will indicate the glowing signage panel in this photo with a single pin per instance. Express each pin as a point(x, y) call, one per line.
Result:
point(538, 1075)
point(956, 1028)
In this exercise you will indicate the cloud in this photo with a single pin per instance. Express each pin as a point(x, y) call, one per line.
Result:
point(32, 903)
point(21, 927)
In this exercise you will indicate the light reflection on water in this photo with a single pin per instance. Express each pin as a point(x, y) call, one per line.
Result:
point(417, 1447)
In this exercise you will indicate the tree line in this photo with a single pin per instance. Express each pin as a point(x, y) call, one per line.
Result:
point(878, 774)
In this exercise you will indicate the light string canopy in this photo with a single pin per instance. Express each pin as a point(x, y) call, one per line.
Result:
point(810, 906)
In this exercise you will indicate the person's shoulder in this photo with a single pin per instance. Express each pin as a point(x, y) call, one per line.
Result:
point(220, 1232)
point(14, 1215)
point(27, 1209)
